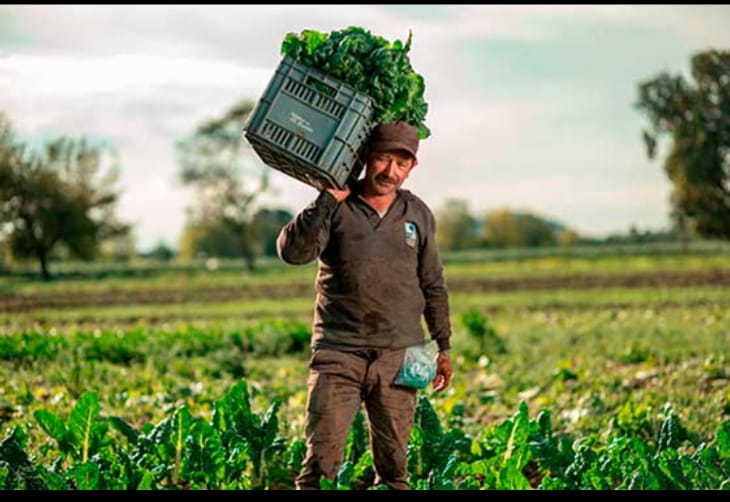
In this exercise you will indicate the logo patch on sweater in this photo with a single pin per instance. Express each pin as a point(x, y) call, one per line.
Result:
point(411, 234)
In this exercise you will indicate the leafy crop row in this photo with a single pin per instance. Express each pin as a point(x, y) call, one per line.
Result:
point(237, 448)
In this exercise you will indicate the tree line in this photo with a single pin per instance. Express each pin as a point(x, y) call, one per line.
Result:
point(58, 198)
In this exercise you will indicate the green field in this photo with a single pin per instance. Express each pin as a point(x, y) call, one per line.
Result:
point(625, 350)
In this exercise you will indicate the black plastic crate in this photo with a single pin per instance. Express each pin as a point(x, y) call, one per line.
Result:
point(310, 125)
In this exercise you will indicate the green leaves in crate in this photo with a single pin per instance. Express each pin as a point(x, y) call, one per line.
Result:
point(371, 65)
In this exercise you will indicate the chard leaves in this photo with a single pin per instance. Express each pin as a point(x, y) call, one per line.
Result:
point(370, 64)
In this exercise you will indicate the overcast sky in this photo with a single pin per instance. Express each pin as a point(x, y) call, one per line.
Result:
point(530, 107)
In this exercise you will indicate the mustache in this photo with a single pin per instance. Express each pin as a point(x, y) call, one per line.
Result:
point(386, 178)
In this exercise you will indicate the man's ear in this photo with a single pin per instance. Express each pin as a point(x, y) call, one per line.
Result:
point(364, 155)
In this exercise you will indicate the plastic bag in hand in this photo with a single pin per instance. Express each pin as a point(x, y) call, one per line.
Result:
point(419, 366)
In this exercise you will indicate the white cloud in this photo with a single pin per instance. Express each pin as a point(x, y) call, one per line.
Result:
point(142, 103)
point(65, 76)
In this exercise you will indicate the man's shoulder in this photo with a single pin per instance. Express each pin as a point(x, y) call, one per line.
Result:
point(413, 199)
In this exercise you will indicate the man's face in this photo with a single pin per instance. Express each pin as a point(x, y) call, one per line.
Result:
point(386, 171)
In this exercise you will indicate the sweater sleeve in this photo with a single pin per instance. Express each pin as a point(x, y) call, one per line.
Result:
point(433, 285)
point(302, 240)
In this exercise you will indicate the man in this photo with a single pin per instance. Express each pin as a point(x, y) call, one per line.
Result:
point(379, 272)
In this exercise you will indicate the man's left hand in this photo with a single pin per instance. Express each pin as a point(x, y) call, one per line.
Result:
point(443, 372)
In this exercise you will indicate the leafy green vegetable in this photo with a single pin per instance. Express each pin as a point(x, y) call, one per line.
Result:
point(241, 449)
point(81, 425)
point(205, 462)
point(357, 439)
point(723, 439)
point(371, 65)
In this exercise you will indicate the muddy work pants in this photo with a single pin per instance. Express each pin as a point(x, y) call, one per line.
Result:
point(338, 383)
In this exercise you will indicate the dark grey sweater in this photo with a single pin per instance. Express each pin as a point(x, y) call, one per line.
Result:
point(376, 277)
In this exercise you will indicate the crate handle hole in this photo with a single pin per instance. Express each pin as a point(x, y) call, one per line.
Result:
point(321, 87)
